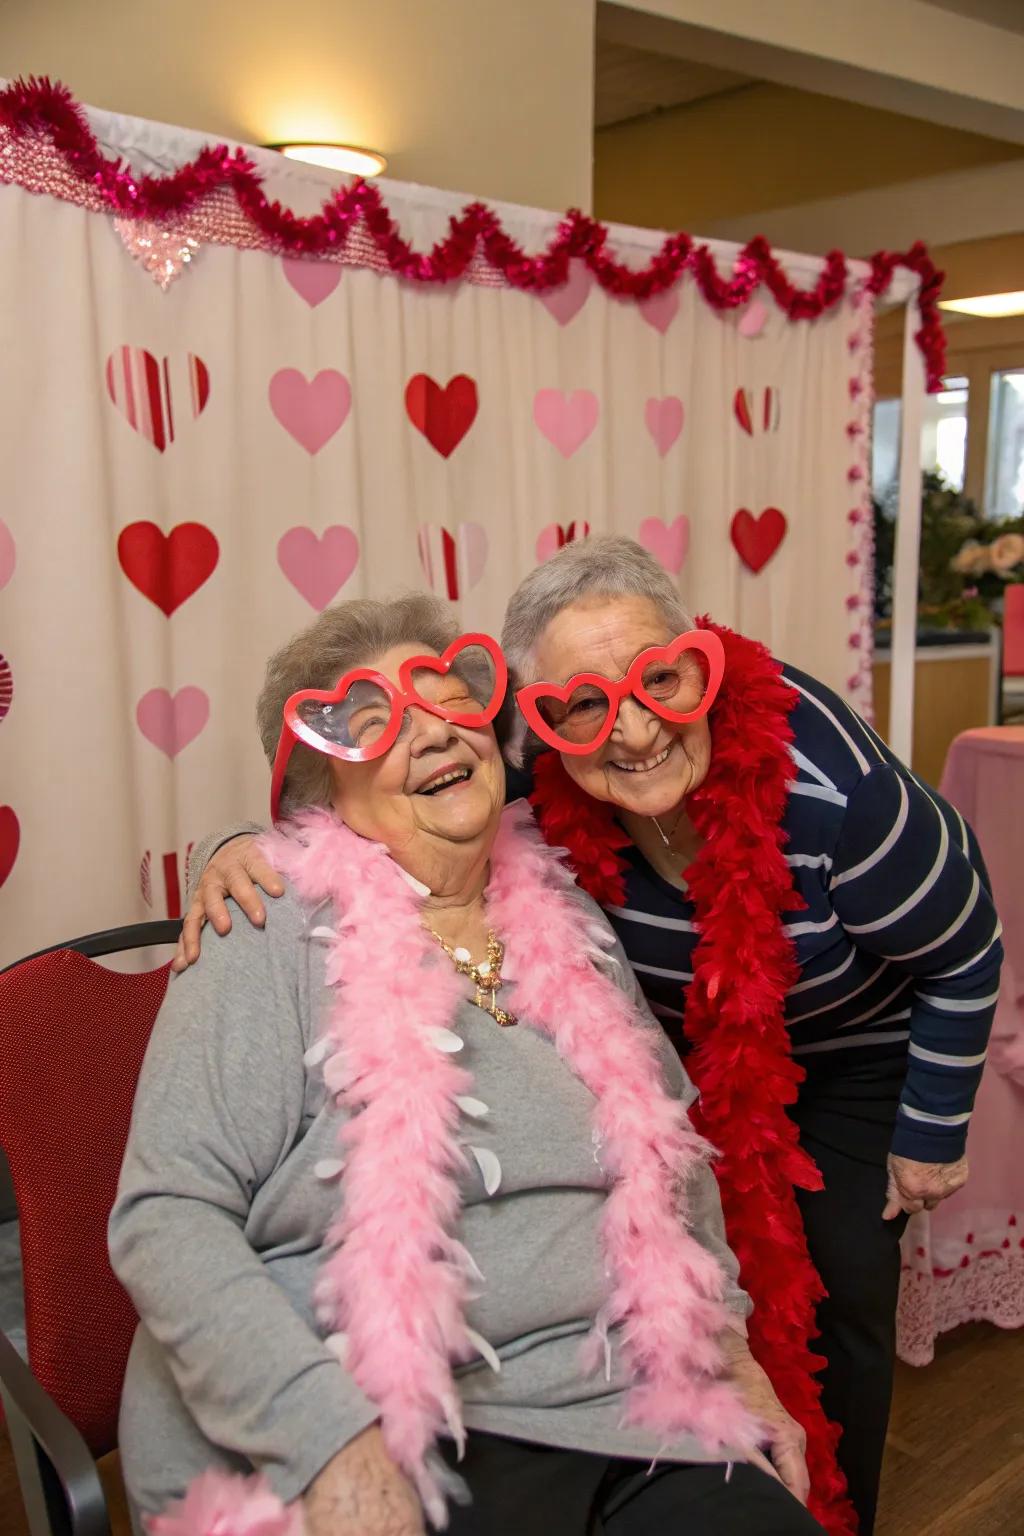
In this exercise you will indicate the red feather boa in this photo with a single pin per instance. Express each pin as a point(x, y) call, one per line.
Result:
point(740, 1060)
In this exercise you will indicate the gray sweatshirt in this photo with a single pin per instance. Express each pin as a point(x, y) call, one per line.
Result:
point(219, 1225)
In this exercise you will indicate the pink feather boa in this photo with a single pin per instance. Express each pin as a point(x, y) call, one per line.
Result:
point(398, 1280)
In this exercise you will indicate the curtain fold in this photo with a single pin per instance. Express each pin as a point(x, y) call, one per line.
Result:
point(190, 474)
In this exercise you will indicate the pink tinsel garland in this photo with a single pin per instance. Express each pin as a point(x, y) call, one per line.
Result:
point(43, 109)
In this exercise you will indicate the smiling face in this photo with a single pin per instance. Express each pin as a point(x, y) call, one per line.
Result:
point(439, 789)
point(648, 765)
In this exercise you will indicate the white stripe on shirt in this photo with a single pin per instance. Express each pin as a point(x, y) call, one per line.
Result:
point(941, 1059)
point(664, 1011)
point(882, 1037)
point(863, 1018)
point(920, 1114)
point(917, 896)
point(884, 846)
point(657, 970)
point(798, 1018)
point(819, 981)
point(959, 1004)
point(794, 930)
point(817, 792)
point(958, 970)
point(954, 927)
point(859, 757)
point(811, 768)
point(676, 924)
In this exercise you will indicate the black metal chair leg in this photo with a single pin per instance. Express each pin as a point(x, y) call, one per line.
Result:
point(59, 1480)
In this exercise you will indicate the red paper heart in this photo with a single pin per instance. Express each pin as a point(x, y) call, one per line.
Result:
point(756, 539)
point(10, 837)
point(444, 416)
point(167, 568)
point(148, 391)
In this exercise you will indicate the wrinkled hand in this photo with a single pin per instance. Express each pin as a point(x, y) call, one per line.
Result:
point(361, 1492)
point(231, 872)
point(787, 1442)
point(917, 1187)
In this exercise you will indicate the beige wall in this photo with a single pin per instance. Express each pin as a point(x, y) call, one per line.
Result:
point(764, 147)
point(484, 96)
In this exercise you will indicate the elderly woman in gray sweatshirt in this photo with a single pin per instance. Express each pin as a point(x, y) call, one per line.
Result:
point(415, 1162)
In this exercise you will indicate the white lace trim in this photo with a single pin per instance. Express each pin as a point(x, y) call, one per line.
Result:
point(986, 1287)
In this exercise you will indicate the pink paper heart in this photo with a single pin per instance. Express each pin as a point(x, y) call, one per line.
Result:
point(553, 538)
point(660, 309)
point(318, 566)
point(566, 302)
point(171, 722)
point(753, 319)
point(452, 564)
point(312, 410)
point(7, 555)
point(664, 419)
point(667, 542)
point(313, 281)
point(566, 420)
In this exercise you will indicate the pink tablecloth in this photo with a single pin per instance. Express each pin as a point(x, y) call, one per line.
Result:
point(965, 1261)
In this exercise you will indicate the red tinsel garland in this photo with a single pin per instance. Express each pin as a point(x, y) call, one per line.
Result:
point(40, 107)
point(743, 966)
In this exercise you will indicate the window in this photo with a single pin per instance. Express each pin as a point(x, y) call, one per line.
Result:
point(943, 437)
point(1004, 478)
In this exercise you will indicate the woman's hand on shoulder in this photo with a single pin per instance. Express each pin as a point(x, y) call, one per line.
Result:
point(361, 1492)
point(786, 1456)
point(235, 870)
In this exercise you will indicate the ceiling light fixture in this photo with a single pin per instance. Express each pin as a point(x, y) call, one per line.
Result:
point(348, 158)
point(989, 306)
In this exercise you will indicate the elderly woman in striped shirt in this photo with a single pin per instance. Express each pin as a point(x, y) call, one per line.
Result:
point(809, 921)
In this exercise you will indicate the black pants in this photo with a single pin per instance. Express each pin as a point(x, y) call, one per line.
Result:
point(846, 1115)
point(520, 1489)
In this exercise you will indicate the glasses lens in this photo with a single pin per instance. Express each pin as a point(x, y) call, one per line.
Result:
point(578, 719)
point(677, 685)
point(467, 688)
point(359, 720)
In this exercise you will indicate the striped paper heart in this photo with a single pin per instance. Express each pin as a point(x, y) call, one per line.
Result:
point(452, 564)
point(750, 417)
point(152, 394)
point(554, 537)
point(6, 687)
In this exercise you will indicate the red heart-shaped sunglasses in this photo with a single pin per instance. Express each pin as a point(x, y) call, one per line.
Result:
point(362, 717)
point(579, 717)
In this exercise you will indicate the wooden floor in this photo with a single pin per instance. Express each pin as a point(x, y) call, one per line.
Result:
point(955, 1461)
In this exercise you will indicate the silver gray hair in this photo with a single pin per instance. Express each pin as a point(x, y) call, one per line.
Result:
point(607, 566)
point(351, 634)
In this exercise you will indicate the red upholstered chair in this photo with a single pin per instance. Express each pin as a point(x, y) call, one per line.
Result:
point(72, 1038)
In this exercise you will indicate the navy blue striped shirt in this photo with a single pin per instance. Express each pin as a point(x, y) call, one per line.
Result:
point(898, 946)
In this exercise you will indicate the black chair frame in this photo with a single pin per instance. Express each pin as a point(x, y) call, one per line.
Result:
point(59, 1480)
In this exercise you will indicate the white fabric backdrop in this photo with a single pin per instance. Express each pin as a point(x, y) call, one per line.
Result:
point(131, 732)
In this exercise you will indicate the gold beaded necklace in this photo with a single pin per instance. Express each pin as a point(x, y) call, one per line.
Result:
point(486, 978)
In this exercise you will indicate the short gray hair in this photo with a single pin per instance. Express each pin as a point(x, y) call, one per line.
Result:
point(606, 566)
point(351, 634)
